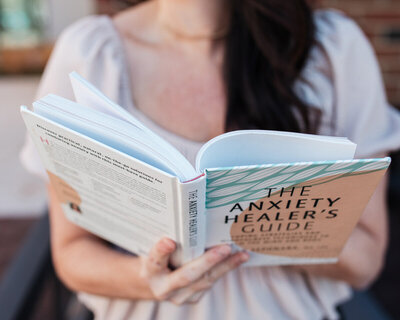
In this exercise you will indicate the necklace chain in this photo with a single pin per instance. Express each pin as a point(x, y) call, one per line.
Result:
point(218, 35)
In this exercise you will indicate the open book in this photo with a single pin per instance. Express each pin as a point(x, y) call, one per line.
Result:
point(287, 198)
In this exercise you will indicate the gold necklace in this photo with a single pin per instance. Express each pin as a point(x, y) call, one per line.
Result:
point(218, 35)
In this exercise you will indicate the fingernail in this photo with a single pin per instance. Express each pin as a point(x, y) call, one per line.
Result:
point(224, 250)
point(169, 244)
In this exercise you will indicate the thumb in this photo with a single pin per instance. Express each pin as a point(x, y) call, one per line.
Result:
point(157, 260)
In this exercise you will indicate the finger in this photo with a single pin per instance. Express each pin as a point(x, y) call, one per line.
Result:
point(157, 260)
point(219, 270)
point(195, 269)
point(194, 292)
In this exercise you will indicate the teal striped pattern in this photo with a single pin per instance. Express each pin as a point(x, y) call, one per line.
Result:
point(227, 186)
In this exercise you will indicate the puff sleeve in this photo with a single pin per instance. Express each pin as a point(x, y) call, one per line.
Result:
point(360, 110)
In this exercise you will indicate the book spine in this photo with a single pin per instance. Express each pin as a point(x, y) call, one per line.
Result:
point(191, 226)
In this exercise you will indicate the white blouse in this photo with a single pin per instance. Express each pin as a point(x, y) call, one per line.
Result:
point(342, 78)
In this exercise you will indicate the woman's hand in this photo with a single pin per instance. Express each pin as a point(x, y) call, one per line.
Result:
point(86, 263)
point(189, 282)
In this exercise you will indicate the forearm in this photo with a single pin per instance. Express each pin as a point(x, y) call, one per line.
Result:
point(87, 264)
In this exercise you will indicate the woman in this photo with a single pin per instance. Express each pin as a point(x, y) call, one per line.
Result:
point(190, 70)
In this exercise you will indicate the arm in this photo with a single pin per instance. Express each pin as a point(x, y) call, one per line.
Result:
point(85, 263)
point(364, 116)
point(364, 253)
point(82, 260)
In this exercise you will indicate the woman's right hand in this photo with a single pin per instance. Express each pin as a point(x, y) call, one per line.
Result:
point(188, 283)
point(86, 263)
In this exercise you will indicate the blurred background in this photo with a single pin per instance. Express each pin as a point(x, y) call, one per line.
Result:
point(28, 30)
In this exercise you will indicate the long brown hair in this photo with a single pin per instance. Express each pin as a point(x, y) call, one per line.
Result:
point(266, 49)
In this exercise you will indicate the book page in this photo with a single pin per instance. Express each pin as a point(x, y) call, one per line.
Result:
point(115, 133)
point(89, 96)
point(259, 147)
point(103, 190)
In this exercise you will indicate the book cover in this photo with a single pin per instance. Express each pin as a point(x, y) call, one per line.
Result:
point(290, 213)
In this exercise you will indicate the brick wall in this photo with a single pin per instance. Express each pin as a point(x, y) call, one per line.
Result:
point(380, 20)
